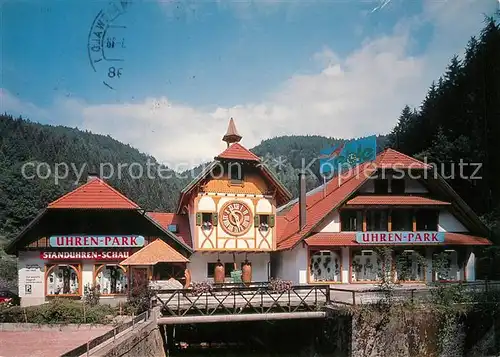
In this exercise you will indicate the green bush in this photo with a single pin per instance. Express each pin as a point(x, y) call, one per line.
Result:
point(58, 311)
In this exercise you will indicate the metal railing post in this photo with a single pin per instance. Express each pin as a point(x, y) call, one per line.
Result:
point(88, 348)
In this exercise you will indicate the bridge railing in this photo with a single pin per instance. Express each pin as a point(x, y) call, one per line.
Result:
point(242, 300)
point(91, 344)
point(345, 296)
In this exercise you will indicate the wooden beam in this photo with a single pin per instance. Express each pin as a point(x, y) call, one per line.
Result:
point(414, 221)
point(364, 220)
point(389, 220)
point(179, 320)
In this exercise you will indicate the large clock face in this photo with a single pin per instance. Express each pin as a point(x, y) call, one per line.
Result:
point(235, 218)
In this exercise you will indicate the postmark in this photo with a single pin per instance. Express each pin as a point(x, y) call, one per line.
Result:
point(106, 43)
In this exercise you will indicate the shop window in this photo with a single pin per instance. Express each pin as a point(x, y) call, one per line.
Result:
point(381, 186)
point(351, 220)
point(63, 279)
point(402, 220)
point(376, 220)
point(111, 279)
point(398, 186)
point(410, 265)
point(367, 266)
point(427, 220)
point(325, 266)
point(445, 266)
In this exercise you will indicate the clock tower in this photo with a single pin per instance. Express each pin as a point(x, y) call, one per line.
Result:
point(232, 205)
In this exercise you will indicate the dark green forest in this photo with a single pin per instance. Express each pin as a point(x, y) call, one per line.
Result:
point(459, 119)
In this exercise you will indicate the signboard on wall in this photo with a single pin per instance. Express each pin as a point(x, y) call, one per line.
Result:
point(81, 241)
point(84, 255)
point(30, 279)
point(399, 237)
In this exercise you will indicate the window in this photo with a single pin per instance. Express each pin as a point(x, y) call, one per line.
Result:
point(398, 186)
point(235, 172)
point(376, 220)
point(410, 265)
point(381, 186)
point(351, 220)
point(63, 279)
point(427, 220)
point(211, 269)
point(206, 219)
point(325, 266)
point(366, 266)
point(111, 279)
point(263, 222)
point(228, 268)
point(402, 220)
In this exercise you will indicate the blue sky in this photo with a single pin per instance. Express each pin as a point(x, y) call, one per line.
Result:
point(192, 64)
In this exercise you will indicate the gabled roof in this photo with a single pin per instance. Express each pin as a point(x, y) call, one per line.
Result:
point(390, 158)
point(395, 200)
point(181, 220)
point(319, 205)
point(341, 188)
point(237, 152)
point(155, 252)
point(95, 194)
point(283, 195)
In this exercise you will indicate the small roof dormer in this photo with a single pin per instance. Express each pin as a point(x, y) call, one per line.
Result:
point(231, 135)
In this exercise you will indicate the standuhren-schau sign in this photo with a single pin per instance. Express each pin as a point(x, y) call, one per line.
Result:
point(75, 241)
point(399, 237)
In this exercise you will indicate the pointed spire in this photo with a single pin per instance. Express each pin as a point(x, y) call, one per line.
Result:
point(231, 135)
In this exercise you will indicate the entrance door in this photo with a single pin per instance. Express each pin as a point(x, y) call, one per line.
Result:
point(139, 277)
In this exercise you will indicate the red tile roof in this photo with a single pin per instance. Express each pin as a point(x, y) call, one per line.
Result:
point(95, 194)
point(323, 202)
point(465, 239)
point(343, 239)
point(153, 253)
point(237, 152)
point(390, 158)
point(332, 239)
point(181, 220)
point(394, 200)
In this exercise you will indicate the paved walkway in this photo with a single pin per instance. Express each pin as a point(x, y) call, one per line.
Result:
point(36, 343)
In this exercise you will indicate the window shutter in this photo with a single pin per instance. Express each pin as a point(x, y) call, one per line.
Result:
point(256, 220)
point(215, 219)
point(198, 218)
point(271, 220)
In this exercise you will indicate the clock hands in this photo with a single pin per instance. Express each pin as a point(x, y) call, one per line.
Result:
point(235, 217)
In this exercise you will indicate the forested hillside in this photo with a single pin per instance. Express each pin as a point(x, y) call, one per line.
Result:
point(459, 119)
point(22, 141)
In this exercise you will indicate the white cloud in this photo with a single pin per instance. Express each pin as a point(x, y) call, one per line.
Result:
point(354, 95)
